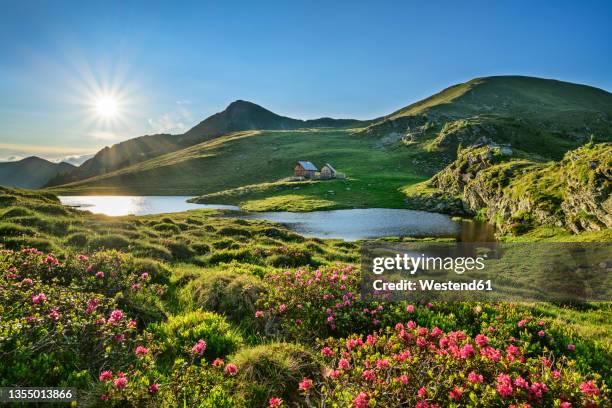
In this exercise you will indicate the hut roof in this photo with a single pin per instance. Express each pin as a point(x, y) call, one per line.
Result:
point(330, 167)
point(307, 165)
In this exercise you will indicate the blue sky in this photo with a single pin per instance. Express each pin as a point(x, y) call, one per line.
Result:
point(171, 64)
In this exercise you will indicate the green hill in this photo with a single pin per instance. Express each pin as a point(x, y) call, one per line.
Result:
point(541, 116)
point(538, 118)
point(238, 116)
point(31, 172)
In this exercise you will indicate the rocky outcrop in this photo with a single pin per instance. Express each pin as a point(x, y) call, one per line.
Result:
point(439, 202)
point(588, 191)
point(517, 193)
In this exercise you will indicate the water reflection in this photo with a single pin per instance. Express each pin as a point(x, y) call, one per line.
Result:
point(136, 205)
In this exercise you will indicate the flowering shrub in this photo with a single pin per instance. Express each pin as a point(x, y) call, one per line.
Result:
point(60, 332)
point(316, 303)
point(411, 365)
point(197, 334)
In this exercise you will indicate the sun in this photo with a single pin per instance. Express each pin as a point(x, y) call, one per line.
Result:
point(106, 106)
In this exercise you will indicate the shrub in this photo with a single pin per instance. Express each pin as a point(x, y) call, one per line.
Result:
point(167, 227)
point(226, 244)
point(179, 333)
point(179, 250)
point(234, 232)
point(201, 248)
point(78, 239)
point(148, 250)
point(10, 229)
point(274, 369)
point(410, 365)
point(110, 241)
point(30, 242)
point(17, 212)
point(232, 294)
point(242, 255)
point(306, 304)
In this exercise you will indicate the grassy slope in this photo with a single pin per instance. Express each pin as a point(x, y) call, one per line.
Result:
point(375, 173)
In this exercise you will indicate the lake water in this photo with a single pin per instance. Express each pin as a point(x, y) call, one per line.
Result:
point(136, 205)
point(349, 225)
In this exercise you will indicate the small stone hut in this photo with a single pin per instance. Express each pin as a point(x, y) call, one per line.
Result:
point(305, 169)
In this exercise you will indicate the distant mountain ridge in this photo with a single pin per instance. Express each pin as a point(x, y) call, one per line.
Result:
point(238, 116)
point(31, 172)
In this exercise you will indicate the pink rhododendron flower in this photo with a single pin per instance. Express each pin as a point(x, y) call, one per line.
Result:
point(218, 362)
point(115, 316)
point(504, 385)
point(274, 402)
point(522, 323)
point(475, 378)
point(521, 382)
point(144, 276)
point(282, 308)
point(368, 375)
point(54, 314)
point(83, 258)
point(92, 305)
point(455, 394)
point(153, 388)
point(141, 351)
point(199, 347)
point(402, 379)
point(382, 363)
point(361, 400)
point(50, 260)
point(410, 308)
point(589, 388)
point(231, 369)
point(99, 274)
point(344, 364)
point(538, 389)
point(422, 392)
point(541, 333)
point(327, 352)
point(27, 281)
point(106, 375)
point(39, 298)
point(305, 385)
point(467, 351)
point(103, 397)
point(482, 340)
point(571, 347)
point(121, 383)
point(259, 314)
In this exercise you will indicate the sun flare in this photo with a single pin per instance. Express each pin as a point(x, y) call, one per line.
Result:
point(106, 107)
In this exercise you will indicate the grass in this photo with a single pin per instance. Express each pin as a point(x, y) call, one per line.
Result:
point(243, 167)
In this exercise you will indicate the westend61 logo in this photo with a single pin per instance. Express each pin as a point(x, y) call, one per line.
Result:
point(425, 271)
